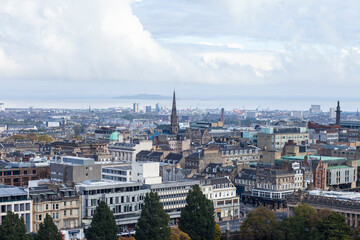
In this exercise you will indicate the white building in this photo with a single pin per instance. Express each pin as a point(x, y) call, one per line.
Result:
point(17, 200)
point(125, 199)
point(146, 172)
point(173, 195)
point(116, 173)
point(223, 194)
point(298, 176)
point(127, 151)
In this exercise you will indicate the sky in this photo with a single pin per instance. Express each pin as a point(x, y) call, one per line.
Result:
point(222, 49)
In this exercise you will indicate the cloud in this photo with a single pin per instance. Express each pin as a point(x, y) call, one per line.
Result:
point(250, 44)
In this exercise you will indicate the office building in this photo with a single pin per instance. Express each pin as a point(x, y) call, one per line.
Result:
point(16, 199)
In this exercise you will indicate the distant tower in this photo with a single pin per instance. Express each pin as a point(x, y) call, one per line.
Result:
point(338, 112)
point(174, 124)
point(222, 115)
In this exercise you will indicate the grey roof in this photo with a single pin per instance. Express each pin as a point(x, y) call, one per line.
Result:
point(214, 181)
point(173, 156)
point(6, 191)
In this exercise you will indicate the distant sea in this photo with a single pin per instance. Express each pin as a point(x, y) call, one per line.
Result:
point(228, 104)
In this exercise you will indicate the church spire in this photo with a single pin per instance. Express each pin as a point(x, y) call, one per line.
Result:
point(174, 124)
point(338, 112)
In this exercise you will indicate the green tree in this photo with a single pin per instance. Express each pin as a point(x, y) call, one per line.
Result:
point(259, 224)
point(356, 234)
point(13, 228)
point(153, 223)
point(332, 227)
point(103, 225)
point(293, 228)
point(197, 217)
point(48, 230)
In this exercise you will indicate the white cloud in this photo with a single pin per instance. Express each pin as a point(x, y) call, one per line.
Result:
point(231, 42)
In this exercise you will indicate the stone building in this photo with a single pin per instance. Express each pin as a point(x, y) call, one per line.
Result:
point(62, 204)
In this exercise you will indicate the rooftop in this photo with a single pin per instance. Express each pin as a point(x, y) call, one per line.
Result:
point(345, 196)
point(323, 158)
point(339, 167)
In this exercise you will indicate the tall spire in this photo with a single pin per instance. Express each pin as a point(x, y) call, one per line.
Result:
point(174, 124)
point(338, 112)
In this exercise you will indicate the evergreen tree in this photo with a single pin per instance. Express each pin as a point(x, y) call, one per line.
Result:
point(13, 228)
point(332, 227)
point(153, 223)
point(103, 225)
point(259, 224)
point(48, 230)
point(197, 218)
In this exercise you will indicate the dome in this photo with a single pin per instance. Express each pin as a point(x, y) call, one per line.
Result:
point(114, 136)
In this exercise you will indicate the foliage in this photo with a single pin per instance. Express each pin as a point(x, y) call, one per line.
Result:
point(13, 228)
point(217, 232)
point(34, 137)
point(332, 227)
point(356, 233)
point(153, 223)
point(292, 228)
point(103, 225)
point(48, 230)
point(259, 224)
point(78, 129)
point(197, 217)
point(177, 234)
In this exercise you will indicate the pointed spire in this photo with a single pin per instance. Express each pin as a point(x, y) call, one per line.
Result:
point(174, 124)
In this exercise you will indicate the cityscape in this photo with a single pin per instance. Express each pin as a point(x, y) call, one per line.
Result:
point(179, 120)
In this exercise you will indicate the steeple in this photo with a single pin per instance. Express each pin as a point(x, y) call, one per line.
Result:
point(338, 111)
point(174, 124)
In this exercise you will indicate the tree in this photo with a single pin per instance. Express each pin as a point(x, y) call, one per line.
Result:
point(294, 228)
point(13, 228)
point(177, 234)
point(153, 223)
point(332, 227)
point(197, 217)
point(103, 225)
point(217, 232)
point(48, 230)
point(259, 224)
point(356, 233)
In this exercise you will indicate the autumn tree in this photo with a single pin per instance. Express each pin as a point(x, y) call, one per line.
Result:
point(177, 234)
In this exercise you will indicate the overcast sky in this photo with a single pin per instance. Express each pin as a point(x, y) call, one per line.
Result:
point(260, 48)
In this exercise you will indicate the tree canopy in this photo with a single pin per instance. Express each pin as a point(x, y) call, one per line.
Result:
point(259, 224)
point(48, 230)
point(13, 228)
point(177, 234)
point(103, 225)
point(153, 223)
point(197, 217)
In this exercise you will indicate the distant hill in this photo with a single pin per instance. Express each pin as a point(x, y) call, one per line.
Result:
point(144, 96)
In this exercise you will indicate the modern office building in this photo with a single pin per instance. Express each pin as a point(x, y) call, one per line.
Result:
point(16, 199)
point(125, 199)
